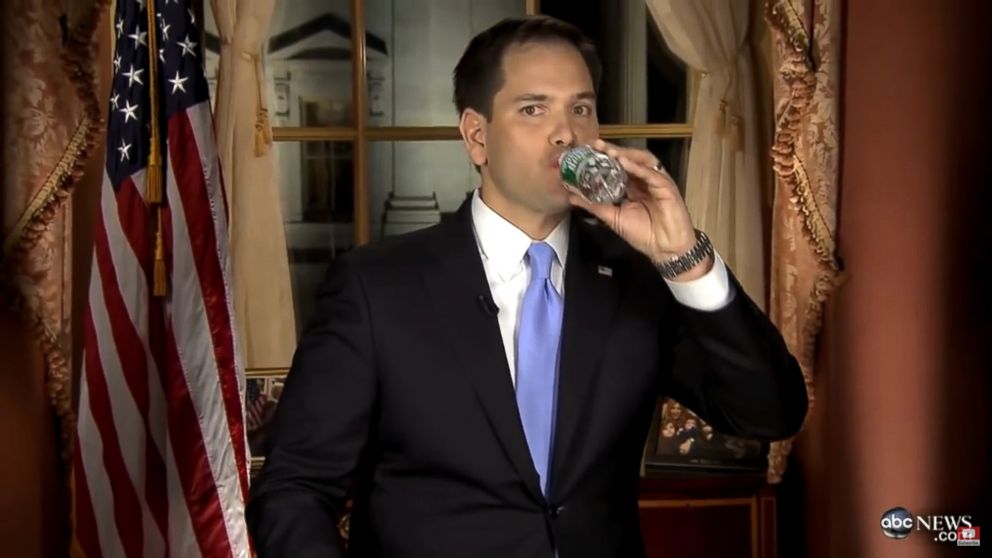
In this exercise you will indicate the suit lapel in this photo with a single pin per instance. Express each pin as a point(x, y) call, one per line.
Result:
point(454, 286)
point(592, 294)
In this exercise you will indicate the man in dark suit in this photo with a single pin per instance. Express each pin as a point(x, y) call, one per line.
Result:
point(484, 388)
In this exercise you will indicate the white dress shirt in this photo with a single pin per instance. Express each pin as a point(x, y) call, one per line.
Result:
point(503, 248)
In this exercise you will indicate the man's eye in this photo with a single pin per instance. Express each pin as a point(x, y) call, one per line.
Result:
point(583, 110)
point(529, 110)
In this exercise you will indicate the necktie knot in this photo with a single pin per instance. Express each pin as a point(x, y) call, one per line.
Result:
point(540, 255)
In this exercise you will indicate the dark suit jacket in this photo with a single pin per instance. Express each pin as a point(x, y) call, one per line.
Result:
point(400, 396)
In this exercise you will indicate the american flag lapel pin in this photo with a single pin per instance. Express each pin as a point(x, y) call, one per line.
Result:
point(603, 270)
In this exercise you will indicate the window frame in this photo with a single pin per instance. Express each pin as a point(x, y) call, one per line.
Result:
point(360, 134)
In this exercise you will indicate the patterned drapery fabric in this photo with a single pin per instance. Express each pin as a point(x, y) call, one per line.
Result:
point(52, 124)
point(804, 153)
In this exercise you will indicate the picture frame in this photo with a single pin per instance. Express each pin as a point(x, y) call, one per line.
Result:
point(263, 389)
point(680, 441)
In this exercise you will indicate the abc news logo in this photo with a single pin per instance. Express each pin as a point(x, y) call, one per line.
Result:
point(898, 523)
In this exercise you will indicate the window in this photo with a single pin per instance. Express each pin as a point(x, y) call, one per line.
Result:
point(366, 142)
point(643, 82)
point(327, 168)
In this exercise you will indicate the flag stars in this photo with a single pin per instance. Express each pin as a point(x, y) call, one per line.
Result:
point(187, 46)
point(125, 151)
point(133, 76)
point(139, 37)
point(165, 39)
point(128, 111)
point(177, 83)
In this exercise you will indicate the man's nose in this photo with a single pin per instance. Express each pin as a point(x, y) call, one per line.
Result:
point(564, 134)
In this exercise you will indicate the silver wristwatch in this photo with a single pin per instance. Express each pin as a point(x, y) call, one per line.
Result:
point(678, 265)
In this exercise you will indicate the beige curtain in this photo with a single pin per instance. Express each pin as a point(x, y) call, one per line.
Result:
point(723, 188)
point(263, 298)
point(804, 154)
point(51, 125)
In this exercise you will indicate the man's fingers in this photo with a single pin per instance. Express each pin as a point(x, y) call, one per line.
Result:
point(659, 184)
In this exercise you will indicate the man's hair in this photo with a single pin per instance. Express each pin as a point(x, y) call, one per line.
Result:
point(479, 73)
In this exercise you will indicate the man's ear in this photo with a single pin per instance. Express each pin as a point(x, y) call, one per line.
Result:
point(472, 126)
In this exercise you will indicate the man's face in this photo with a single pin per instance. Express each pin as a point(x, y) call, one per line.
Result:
point(546, 105)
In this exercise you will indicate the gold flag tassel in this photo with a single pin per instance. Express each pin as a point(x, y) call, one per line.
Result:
point(153, 174)
point(161, 279)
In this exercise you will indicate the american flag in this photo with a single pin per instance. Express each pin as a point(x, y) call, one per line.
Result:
point(160, 466)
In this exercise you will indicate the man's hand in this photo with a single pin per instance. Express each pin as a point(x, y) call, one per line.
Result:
point(654, 219)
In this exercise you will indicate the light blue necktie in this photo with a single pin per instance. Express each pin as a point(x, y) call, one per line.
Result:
point(537, 358)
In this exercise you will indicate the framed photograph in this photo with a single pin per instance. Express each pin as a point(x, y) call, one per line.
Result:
point(681, 441)
point(262, 395)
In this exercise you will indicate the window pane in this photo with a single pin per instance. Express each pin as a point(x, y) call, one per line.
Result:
point(412, 182)
point(307, 61)
point(316, 180)
point(410, 77)
point(643, 82)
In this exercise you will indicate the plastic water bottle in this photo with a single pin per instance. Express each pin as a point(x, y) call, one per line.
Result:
point(592, 174)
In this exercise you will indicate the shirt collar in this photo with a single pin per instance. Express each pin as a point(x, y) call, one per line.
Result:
point(504, 245)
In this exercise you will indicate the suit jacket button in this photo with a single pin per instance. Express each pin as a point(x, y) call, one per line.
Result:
point(555, 511)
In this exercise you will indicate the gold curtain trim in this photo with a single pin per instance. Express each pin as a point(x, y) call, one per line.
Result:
point(27, 232)
point(40, 212)
point(799, 76)
point(77, 60)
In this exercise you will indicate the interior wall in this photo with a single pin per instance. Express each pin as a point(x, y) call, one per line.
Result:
point(30, 478)
point(903, 378)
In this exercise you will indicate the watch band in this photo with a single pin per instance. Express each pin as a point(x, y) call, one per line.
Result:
point(680, 264)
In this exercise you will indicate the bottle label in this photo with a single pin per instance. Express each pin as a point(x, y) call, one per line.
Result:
point(570, 163)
